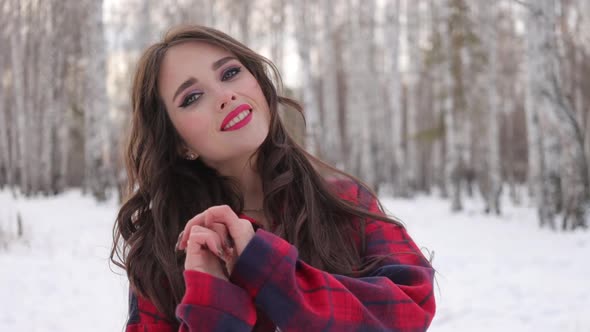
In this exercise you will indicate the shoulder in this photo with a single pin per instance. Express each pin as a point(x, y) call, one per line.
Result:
point(142, 312)
point(353, 192)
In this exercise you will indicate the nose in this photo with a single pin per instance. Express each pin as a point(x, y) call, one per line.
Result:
point(226, 99)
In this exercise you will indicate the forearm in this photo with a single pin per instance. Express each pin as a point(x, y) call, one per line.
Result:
point(212, 304)
point(299, 297)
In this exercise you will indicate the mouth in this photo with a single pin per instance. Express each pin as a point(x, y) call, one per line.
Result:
point(237, 118)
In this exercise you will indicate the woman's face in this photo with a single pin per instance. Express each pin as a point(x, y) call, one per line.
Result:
point(214, 102)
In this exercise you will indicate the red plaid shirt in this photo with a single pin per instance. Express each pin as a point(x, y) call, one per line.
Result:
point(271, 289)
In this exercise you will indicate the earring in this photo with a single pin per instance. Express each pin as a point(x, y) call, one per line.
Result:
point(190, 156)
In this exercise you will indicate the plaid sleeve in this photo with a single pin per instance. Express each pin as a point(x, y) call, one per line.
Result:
point(209, 304)
point(212, 304)
point(144, 317)
point(396, 296)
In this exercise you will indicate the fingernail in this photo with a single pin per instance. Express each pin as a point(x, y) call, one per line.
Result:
point(178, 241)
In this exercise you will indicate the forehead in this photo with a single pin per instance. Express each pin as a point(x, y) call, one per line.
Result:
point(187, 59)
point(194, 51)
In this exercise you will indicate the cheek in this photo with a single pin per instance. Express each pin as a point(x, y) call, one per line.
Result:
point(191, 128)
point(253, 88)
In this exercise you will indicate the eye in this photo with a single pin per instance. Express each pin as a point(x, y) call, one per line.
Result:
point(230, 73)
point(189, 99)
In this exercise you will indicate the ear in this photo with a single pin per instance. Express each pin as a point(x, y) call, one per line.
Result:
point(191, 156)
point(187, 153)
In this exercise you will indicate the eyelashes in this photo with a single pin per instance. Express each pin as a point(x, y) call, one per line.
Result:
point(190, 98)
point(230, 73)
point(193, 97)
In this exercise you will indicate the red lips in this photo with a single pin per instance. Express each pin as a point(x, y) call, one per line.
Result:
point(231, 115)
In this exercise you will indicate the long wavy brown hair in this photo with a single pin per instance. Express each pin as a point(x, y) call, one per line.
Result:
point(164, 190)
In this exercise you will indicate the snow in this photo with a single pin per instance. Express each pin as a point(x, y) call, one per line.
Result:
point(493, 273)
point(58, 278)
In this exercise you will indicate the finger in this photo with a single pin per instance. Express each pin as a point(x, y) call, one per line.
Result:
point(221, 214)
point(230, 260)
point(240, 230)
point(207, 238)
point(200, 259)
point(184, 235)
point(207, 218)
point(221, 230)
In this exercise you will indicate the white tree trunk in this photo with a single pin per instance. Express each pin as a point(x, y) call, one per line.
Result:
point(398, 154)
point(353, 83)
point(440, 89)
point(145, 35)
point(331, 130)
point(277, 33)
point(33, 92)
point(546, 146)
point(414, 21)
point(242, 11)
point(570, 193)
point(5, 167)
point(364, 105)
point(46, 79)
point(65, 46)
point(455, 118)
point(5, 161)
point(490, 38)
point(303, 28)
point(95, 106)
point(17, 42)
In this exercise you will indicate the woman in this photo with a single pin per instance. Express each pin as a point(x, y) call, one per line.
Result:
point(231, 226)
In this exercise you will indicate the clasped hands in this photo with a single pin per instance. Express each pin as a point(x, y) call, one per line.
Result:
point(213, 240)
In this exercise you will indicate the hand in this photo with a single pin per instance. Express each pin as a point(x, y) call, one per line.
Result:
point(203, 251)
point(223, 221)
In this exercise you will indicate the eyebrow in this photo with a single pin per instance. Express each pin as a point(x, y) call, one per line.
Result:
point(222, 61)
point(191, 80)
point(183, 86)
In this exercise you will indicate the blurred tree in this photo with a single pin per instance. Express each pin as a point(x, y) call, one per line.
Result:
point(95, 102)
point(395, 139)
point(305, 43)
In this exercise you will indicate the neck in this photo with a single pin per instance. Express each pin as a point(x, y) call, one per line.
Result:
point(249, 181)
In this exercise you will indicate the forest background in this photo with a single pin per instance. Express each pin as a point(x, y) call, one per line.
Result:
point(453, 97)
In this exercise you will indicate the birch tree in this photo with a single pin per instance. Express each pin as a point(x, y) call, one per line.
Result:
point(303, 26)
point(239, 23)
point(49, 69)
point(392, 33)
point(17, 40)
point(63, 47)
point(413, 22)
point(331, 137)
point(32, 91)
point(277, 32)
point(455, 118)
point(543, 161)
point(95, 101)
point(360, 80)
point(489, 19)
point(570, 113)
point(511, 87)
point(438, 59)
point(5, 161)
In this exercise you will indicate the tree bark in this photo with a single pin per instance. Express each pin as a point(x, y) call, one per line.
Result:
point(95, 101)
point(414, 19)
point(310, 101)
point(331, 130)
point(400, 186)
point(491, 39)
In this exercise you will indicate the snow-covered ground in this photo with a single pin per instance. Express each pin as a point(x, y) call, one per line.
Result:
point(494, 274)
